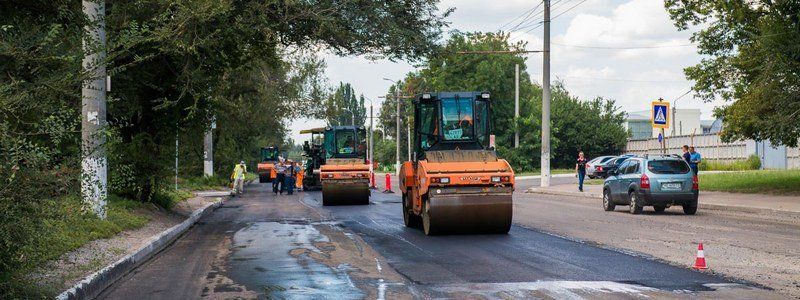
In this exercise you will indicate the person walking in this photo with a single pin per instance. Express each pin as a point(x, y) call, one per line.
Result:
point(238, 178)
point(298, 177)
point(277, 184)
point(580, 170)
point(694, 160)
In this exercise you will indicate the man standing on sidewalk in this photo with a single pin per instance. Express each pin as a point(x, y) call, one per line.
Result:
point(580, 169)
point(686, 155)
point(694, 160)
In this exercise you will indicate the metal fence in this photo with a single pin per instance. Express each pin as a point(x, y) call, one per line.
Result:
point(713, 148)
point(709, 145)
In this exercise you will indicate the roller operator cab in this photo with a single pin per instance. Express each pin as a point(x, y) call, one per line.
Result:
point(345, 174)
point(266, 168)
point(455, 183)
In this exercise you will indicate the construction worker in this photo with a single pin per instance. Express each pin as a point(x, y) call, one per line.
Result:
point(238, 177)
point(288, 175)
point(277, 184)
point(298, 177)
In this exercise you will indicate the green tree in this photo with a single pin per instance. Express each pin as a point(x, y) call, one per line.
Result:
point(592, 126)
point(342, 107)
point(751, 58)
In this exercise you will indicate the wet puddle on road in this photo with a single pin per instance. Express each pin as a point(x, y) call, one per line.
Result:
point(301, 260)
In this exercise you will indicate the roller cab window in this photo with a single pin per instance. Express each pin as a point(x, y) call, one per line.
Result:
point(457, 119)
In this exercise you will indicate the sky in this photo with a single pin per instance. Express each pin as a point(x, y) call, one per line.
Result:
point(590, 52)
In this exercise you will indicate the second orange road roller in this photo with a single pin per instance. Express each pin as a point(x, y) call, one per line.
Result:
point(345, 173)
point(455, 183)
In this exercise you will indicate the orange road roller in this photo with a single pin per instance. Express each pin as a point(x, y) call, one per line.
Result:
point(345, 173)
point(266, 168)
point(455, 183)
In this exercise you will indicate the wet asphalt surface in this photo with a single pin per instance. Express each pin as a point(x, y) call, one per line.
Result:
point(291, 247)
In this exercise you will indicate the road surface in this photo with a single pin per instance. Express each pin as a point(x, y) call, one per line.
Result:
point(266, 246)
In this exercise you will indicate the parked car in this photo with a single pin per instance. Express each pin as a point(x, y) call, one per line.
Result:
point(602, 170)
point(591, 165)
point(657, 181)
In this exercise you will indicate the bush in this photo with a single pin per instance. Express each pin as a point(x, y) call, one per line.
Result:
point(753, 162)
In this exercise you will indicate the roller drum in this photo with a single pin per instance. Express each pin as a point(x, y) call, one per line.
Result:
point(345, 192)
point(451, 212)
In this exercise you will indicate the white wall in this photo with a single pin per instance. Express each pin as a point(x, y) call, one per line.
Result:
point(685, 121)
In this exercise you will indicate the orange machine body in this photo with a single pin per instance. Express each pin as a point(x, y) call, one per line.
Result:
point(420, 181)
point(345, 181)
point(267, 169)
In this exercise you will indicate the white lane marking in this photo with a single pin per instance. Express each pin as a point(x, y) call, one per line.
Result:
point(557, 289)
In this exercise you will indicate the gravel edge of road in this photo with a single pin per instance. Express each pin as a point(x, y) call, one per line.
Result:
point(740, 208)
point(94, 284)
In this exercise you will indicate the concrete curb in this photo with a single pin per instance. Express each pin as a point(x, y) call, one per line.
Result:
point(535, 190)
point(91, 286)
point(540, 176)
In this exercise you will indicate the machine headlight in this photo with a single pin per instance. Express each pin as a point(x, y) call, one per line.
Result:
point(496, 179)
point(444, 180)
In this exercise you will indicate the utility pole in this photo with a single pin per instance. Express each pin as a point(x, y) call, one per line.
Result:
point(208, 151)
point(516, 105)
point(94, 164)
point(371, 152)
point(545, 162)
point(397, 124)
point(176, 160)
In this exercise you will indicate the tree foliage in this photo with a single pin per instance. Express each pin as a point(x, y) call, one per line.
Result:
point(175, 65)
point(343, 108)
point(751, 55)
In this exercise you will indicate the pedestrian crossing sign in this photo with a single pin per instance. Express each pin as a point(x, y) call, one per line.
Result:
point(660, 114)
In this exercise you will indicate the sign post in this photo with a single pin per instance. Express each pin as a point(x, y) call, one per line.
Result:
point(660, 119)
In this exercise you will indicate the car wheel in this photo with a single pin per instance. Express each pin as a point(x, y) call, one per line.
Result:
point(689, 209)
point(659, 208)
point(635, 207)
point(608, 205)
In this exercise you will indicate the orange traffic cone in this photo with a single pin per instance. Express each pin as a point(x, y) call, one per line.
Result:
point(700, 261)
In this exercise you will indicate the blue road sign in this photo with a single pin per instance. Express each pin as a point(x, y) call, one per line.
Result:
point(660, 114)
point(660, 137)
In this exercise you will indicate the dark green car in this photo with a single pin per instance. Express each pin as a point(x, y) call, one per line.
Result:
point(657, 181)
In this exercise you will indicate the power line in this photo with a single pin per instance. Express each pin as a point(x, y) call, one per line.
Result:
point(524, 19)
point(563, 12)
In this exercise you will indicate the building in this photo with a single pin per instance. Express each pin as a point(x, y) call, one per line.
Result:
point(638, 125)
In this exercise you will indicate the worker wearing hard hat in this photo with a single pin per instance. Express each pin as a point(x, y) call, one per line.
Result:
point(238, 177)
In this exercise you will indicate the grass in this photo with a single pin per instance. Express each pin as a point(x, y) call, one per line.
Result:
point(751, 163)
point(552, 171)
point(593, 181)
point(777, 182)
point(203, 183)
point(67, 228)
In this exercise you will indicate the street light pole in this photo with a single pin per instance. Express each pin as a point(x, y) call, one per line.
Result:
point(545, 159)
point(94, 163)
point(516, 105)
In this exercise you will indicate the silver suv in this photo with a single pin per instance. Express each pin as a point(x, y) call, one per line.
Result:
point(657, 181)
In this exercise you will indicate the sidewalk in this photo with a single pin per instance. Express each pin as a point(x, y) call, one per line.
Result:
point(715, 200)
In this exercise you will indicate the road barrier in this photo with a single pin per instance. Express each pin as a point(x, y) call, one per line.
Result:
point(388, 189)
